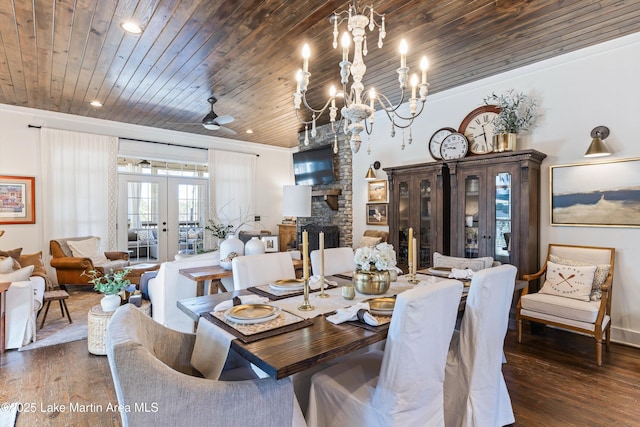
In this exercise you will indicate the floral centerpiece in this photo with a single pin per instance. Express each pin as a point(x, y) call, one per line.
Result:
point(110, 284)
point(517, 111)
point(373, 268)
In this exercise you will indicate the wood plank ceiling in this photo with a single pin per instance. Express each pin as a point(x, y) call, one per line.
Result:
point(59, 55)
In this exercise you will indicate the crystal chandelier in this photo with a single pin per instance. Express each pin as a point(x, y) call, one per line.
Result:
point(358, 108)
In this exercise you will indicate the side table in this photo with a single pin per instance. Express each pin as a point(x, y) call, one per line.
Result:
point(98, 321)
point(201, 274)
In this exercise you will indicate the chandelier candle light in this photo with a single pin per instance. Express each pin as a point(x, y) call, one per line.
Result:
point(358, 110)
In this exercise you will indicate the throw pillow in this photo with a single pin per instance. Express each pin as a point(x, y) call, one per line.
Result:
point(13, 253)
point(89, 248)
point(569, 281)
point(369, 241)
point(17, 276)
point(474, 264)
point(145, 235)
point(600, 276)
point(36, 261)
point(8, 264)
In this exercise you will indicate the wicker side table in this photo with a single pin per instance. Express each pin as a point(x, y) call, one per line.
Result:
point(97, 323)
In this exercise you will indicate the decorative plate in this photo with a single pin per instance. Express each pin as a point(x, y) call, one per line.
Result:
point(252, 313)
point(287, 285)
point(382, 306)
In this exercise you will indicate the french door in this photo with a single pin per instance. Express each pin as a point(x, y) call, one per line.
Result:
point(161, 216)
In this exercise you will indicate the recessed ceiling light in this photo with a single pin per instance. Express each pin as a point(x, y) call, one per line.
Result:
point(249, 130)
point(131, 27)
point(96, 103)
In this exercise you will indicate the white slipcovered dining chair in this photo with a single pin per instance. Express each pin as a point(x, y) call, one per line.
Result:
point(475, 393)
point(256, 270)
point(402, 386)
point(336, 261)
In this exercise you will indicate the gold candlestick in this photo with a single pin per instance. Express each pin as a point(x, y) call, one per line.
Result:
point(412, 274)
point(305, 306)
point(322, 294)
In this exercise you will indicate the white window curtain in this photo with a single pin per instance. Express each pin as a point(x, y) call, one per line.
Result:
point(232, 186)
point(79, 185)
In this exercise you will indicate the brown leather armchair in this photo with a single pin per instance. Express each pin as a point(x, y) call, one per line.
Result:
point(69, 269)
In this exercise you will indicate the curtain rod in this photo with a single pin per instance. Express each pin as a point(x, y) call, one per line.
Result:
point(156, 142)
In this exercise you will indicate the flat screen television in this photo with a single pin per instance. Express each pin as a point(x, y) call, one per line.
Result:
point(313, 167)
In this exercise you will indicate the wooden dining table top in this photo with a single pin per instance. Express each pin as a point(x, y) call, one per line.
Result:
point(293, 351)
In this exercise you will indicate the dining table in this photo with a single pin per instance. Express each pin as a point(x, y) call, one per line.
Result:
point(317, 340)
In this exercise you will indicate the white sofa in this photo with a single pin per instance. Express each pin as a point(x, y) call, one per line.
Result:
point(24, 299)
point(169, 286)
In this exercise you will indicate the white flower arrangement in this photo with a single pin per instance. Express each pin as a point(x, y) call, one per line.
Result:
point(380, 258)
point(517, 111)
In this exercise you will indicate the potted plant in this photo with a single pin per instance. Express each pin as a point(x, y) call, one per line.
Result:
point(110, 285)
point(372, 275)
point(517, 114)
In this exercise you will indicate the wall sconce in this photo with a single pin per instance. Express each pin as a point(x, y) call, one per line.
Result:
point(371, 173)
point(597, 147)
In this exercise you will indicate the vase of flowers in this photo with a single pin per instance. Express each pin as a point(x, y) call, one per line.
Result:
point(373, 264)
point(110, 285)
point(517, 114)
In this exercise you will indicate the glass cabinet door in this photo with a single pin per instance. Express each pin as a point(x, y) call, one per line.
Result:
point(472, 218)
point(403, 222)
point(503, 217)
point(425, 225)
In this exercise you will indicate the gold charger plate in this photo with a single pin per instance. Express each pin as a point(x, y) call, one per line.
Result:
point(252, 311)
point(440, 271)
point(287, 284)
point(382, 306)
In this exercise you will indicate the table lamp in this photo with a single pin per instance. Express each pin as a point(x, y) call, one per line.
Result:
point(296, 202)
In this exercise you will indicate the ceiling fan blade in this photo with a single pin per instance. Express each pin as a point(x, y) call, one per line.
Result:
point(211, 126)
point(224, 120)
point(227, 131)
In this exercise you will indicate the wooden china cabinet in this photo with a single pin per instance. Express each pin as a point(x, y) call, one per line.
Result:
point(477, 206)
point(419, 198)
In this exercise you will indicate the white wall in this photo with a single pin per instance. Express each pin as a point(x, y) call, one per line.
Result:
point(20, 155)
point(577, 91)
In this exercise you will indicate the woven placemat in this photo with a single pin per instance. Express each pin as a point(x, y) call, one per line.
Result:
point(266, 291)
point(285, 322)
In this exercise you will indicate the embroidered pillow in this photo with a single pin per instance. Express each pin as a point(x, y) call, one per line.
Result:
point(601, 274)
point(17, 276)
point(89, 248)
point(367, 241)
point(474, 264)
point(569, 281)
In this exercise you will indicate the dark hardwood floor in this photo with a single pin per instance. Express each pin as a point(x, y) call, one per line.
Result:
point(552, 379)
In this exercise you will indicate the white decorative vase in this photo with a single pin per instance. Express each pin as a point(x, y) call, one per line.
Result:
point(110, 303)
point(230, 248)
point(254, 246)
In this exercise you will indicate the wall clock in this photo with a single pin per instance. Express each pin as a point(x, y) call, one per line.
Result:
point(454, 146)
point(477, 126)
point(436, 141)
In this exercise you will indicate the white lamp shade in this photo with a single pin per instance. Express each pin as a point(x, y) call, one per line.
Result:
point(296, 200)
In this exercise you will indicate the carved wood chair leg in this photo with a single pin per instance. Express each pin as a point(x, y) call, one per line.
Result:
point(599, 352)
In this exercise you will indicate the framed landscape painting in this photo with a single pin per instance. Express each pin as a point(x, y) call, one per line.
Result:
point(599, 194)
point(377, 191)
point(17, 200)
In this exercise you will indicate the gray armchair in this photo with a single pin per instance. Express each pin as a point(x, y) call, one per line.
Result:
point(153, 377)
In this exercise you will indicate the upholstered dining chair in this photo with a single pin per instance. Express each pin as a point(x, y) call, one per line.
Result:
point(562, 304)
point(402, 385)
point(336, 261)
point(475, 393)
point(152, 373)
point(256, 270)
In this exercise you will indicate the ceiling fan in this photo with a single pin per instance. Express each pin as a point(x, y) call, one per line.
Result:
point(212, 121)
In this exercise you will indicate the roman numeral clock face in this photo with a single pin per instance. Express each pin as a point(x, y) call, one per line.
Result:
point(478, 127)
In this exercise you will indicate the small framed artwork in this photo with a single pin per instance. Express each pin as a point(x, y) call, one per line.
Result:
point(377, 213)
point(17, 200)
point(597, 194)
point(377, 191)
point(270, 243)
